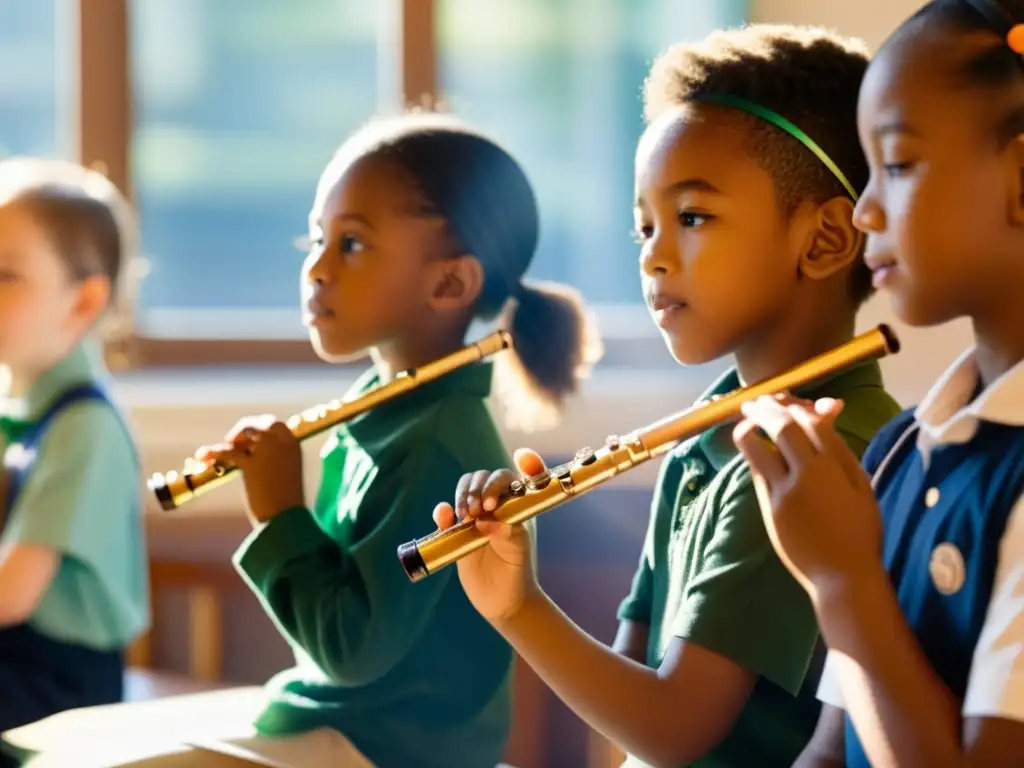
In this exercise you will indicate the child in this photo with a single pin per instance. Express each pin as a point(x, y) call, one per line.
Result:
point(747, 248)
point(73, 580)
point(419, 226)
point(921, 606)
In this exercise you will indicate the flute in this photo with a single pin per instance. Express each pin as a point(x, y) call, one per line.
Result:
point(530, 496)
point(176, 488)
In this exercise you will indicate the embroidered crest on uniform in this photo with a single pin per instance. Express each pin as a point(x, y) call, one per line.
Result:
point(947, 568)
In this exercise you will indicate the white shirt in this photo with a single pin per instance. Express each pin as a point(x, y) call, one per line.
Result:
point(995, 687)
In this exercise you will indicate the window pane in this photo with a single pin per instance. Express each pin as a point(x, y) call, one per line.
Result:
point(239, 104)
point(29, 92)
point(558, 82)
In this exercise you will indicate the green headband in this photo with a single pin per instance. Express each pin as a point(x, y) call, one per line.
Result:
point(778, 120)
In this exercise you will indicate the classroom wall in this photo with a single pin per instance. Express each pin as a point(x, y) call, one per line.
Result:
point(872, 20)
point(588, 550)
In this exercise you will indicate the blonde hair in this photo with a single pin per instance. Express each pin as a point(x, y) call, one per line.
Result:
point(92, 228)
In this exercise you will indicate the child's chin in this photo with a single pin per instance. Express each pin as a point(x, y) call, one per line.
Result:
point(917, 313)
point(686, 352)
point(333, 351)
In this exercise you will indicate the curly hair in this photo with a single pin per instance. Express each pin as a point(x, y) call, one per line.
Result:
point(809, 75)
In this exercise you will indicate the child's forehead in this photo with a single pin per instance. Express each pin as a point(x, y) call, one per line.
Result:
point(919, 78)
point(22, 240)
point(364, 184)
point(707, 142)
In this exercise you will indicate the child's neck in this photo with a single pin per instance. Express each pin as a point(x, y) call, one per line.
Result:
point(789, 343)
point(999, 339)
point(402, 354)
point(16, 380)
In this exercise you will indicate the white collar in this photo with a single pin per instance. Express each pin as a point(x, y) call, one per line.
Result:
point(949, 415)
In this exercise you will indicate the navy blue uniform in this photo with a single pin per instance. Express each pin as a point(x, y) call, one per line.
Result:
point(949, 478)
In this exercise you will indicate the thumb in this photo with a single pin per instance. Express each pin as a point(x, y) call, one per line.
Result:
point(528, 462)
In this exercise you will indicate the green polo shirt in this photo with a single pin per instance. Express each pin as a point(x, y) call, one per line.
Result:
point(410, 673)
point(82, 498)
point(708, 574)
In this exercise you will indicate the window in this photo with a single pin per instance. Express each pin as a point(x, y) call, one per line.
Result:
point(559, 83)
point(239, 104)
point(31, 79)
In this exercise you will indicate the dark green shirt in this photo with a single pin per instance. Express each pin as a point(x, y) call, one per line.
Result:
point(410, 673)
point(709, 575)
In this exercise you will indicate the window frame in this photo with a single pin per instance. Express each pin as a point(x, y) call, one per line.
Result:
point(407, 64)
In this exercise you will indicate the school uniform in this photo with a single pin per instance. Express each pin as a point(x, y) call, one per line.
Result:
point(72, 486)
point(709, 575)
point(949, 477)
point(409, 674)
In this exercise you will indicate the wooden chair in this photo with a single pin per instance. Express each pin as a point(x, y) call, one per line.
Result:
point(202, 584)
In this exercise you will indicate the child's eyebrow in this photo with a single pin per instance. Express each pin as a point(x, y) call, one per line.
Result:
point(695, 184)
point(342, 217)
point(897, 126)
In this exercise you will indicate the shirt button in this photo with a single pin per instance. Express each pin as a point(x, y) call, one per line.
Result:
point(931, 497)
point(691, 486)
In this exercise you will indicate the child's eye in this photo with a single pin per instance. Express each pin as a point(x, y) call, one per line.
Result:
point(351, 244)
point(690, 219)
point(895, 170)
point(642, 234)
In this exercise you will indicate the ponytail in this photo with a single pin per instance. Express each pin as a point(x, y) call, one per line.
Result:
point(490, 213)
point(555, 345)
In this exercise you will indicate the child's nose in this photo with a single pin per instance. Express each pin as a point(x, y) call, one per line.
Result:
point(868, 215)
point(316, 269)
point(658, 257)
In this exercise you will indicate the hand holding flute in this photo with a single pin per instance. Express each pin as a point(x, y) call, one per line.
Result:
point(269, 456)
point(496, 559)
point(205, 471)
point(535, 494)
point(499, 579)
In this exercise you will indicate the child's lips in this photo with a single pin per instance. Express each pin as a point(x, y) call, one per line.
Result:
point(665, 308)
point(882, 268)
point(316, 311)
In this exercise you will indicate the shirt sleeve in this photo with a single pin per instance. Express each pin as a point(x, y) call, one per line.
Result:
point(744, 604)
point(995, 687)
point(351, 607)
point(83, 483)
point(637, 605)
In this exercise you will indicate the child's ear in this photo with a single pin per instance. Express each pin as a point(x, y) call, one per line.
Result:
point(1015, 180)
point(456, 283)
point(92, 300)
point(835, 243)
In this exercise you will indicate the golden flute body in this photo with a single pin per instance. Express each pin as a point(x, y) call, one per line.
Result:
point(531, 496)
point(176, 488)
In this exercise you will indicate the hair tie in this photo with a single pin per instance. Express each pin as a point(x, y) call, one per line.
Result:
point(779, 121)
point(1015, 38)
